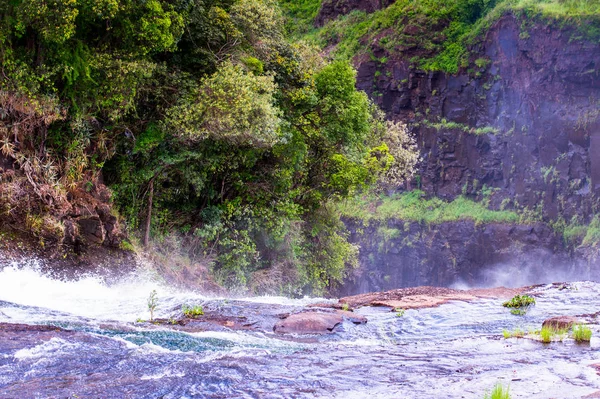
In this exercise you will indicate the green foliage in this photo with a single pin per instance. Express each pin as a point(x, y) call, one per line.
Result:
point(414, 206)
point(192, 311)
point(445, 29)
point(548, 334)
point(300, 15)
point(231, 105)
point(241, 137)
point(582, 333)
point(519, 304)
point(576, 233)
point(519, 301)
point(449, 125)
point(152, 303)
point(499, 392)
point(517, 333)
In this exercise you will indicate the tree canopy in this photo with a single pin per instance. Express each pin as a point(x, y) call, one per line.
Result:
point(239, 136)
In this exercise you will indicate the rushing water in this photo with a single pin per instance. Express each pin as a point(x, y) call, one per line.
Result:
point(453, 351)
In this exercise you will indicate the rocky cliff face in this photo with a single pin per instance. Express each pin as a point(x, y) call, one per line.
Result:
point(521, 127)
point(462, 254)
point(526, 123)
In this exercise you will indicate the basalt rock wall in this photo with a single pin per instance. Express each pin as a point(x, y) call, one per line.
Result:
point(521, 127)
point(525, 123)
point(462, 254)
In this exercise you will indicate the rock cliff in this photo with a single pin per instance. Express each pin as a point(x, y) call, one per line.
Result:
point(519, 126)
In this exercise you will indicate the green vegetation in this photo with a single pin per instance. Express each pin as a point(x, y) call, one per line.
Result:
point(519, 301)
point(207, 124)
point(414, 206)
point(517, 333)
point(446, 125)
point(192, 311)
point(576, 233)
point(519, 304)
point(345, 307)
point(152, 304)
point(582, 333)
point(300, 15)
point(399, 312)
point(549, 334)
point(499, 392)
point(442, 30)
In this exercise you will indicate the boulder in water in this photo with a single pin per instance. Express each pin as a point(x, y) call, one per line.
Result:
point(309, 323)
point(560, 322)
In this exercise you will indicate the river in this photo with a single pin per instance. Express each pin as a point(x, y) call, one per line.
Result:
point(455, 350)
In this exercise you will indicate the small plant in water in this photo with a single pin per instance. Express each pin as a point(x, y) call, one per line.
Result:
point(548, 334)
point(345, 307)
point(499, 392)
point(192, 311)
point(519, 304)
point(582, 333)
point(399, 312)
point(517, 333)
point(152, 304)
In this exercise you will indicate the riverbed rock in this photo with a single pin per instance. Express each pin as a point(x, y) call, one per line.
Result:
point(309, 323)
point(352, 317)
point(560, 322)
point(425, 297)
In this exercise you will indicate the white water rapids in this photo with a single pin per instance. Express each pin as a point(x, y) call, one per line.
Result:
point(453, 351)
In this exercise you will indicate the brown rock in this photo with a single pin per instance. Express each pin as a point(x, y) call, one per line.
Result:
point(560, 322)
point(309, 323)
point(425, 297)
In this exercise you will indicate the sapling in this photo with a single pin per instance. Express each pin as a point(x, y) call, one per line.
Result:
point(152, 304)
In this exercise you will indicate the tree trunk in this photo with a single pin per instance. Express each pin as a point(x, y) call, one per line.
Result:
point(149, 216)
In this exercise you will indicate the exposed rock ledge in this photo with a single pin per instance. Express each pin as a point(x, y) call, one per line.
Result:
point(426, 297)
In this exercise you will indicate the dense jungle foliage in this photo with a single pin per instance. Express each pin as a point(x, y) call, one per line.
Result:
point(205, 121)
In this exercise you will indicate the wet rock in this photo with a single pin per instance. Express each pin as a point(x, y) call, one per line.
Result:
point(560, 322)
point(92, 229)
point(13, 328)
point(309, 323)
point(457, 252)
point(540, 157)
point(352, 317)
point(425, 297)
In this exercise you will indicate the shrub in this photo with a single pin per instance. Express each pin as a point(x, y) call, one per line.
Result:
point(519, 301)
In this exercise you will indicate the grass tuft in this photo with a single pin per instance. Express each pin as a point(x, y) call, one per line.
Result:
point(582, 333)
point(499, 392)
